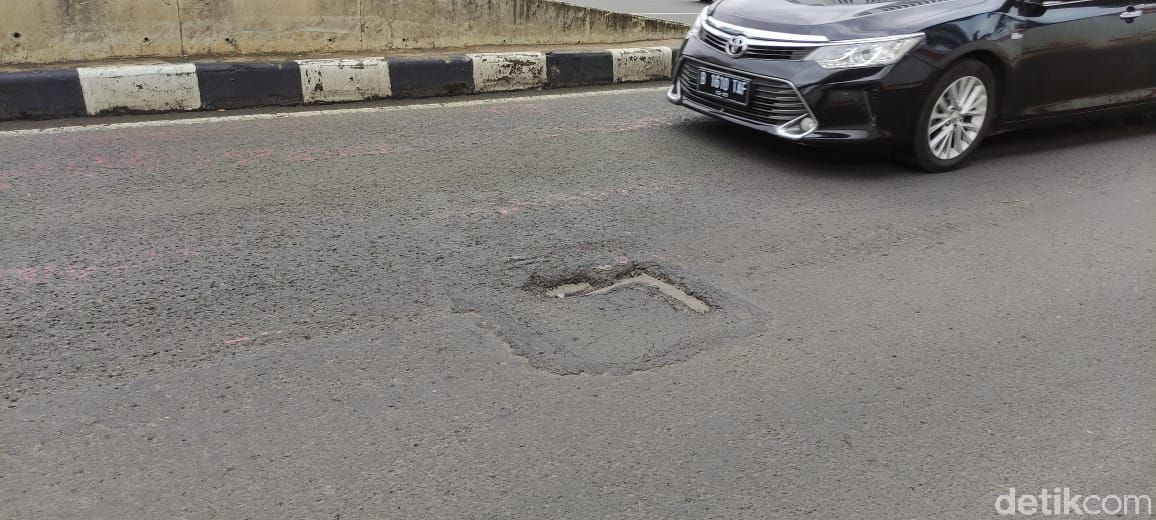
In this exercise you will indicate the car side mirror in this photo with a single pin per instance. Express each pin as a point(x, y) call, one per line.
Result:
point(1032, 8)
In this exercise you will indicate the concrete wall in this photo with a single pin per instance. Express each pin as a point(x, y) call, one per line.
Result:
point(50, 31)
point(43, 31)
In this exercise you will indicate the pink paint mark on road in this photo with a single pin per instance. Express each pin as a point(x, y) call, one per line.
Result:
point(73, 167)
point(314, 154)
point(94, 161)
point(300, 156)
point(78, 273)
point(27, 274)
point(237, 340)
point(133, 160)
point(246, 157)
point(74, 271)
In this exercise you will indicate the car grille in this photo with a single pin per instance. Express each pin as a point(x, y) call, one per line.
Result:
point(755, 51)
point(773, 102)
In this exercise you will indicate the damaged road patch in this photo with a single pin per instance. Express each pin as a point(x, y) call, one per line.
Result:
point(635, 278)
point(617, 317)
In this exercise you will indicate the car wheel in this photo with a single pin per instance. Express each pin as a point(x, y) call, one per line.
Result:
point(956, 116)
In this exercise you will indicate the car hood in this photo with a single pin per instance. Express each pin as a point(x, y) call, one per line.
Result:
point(843, 19)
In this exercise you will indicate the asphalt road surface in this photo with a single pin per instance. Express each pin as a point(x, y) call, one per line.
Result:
point(348, 315)
point(683, 11)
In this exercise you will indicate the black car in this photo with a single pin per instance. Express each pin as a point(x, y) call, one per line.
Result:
point(932, 77)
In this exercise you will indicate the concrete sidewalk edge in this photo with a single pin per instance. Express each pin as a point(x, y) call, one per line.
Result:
point(46, 94)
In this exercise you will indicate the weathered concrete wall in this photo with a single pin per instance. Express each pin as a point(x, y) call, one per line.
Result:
point(224, 27)
point(45, 31)
point(461, 23)
point(49, 31)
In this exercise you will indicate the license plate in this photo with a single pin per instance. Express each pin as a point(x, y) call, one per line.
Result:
point(724, 86)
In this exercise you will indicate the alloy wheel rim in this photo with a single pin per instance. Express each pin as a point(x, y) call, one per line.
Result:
point(957, 118)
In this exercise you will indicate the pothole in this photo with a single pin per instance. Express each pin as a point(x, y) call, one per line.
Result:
point(635, 278)
point(615, 317)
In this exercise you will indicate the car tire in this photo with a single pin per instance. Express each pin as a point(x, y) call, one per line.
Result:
point(947, 132)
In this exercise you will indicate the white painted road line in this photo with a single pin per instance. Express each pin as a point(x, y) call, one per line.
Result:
point(318, 113)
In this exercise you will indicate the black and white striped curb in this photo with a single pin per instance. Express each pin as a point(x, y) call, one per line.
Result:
point(209, 86)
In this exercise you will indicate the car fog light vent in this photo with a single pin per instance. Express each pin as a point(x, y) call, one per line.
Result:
point(807, 124)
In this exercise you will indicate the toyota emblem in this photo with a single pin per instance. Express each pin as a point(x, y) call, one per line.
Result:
point(737, 46)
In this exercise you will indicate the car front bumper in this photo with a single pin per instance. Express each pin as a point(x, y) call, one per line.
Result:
point(879, 104)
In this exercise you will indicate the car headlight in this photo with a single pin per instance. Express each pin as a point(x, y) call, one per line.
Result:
point(871, 53)
point(696, 27)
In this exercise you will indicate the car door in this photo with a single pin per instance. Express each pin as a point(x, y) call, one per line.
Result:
point(1079, 55)
point(1146, 24)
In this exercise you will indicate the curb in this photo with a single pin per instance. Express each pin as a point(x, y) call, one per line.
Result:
point(95, 91)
